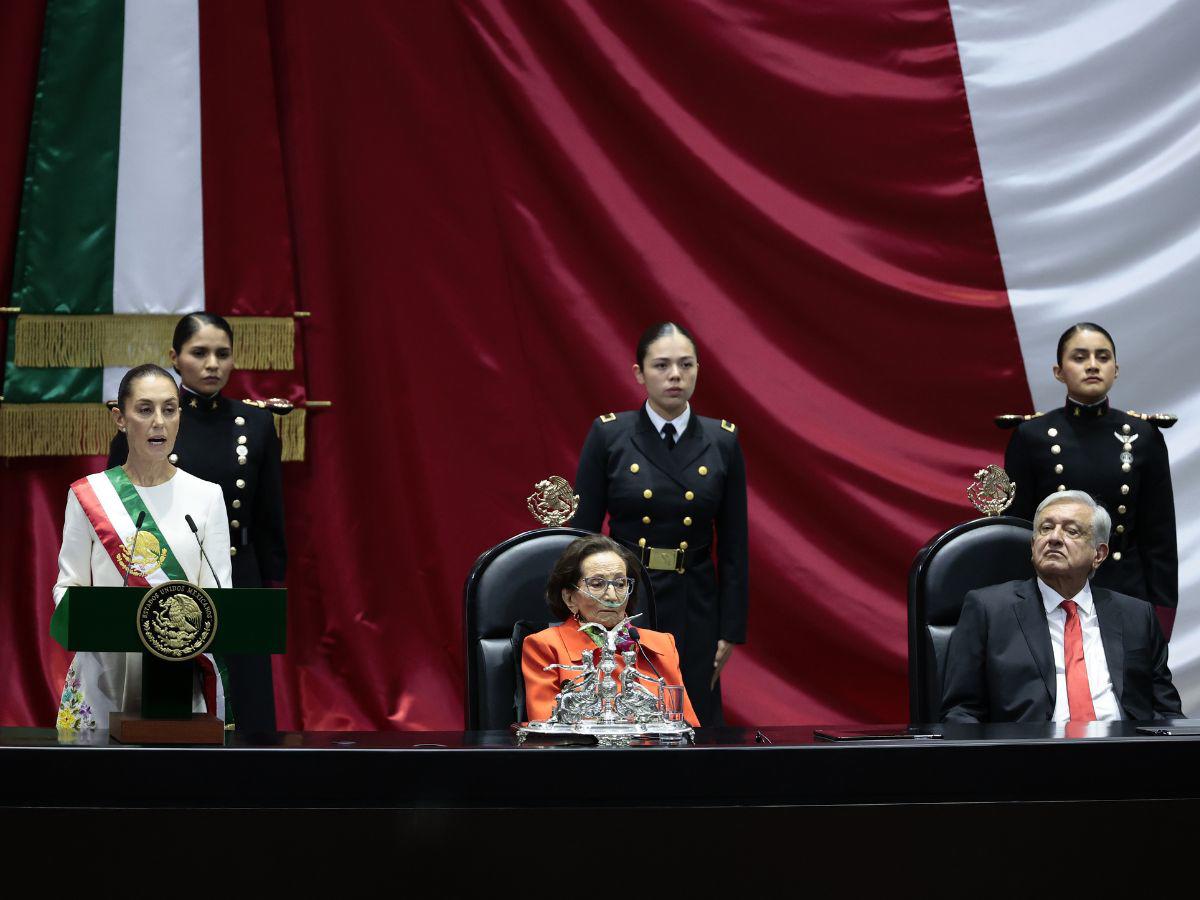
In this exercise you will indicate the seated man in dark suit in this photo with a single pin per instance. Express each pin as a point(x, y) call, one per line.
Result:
point(1055, 648)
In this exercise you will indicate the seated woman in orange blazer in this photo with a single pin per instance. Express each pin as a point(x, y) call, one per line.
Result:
point(575, 593)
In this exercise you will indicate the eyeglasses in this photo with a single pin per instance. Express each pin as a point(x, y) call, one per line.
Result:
point(596, 586)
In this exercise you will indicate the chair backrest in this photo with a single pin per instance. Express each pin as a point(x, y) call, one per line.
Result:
point(506, 584)
point(966, 557)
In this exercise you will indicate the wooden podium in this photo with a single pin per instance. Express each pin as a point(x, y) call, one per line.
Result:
point(104, 619)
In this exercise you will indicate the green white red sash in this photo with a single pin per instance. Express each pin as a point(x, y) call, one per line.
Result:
point(112, 504)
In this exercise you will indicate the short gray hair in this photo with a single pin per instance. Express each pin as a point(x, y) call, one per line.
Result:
point(1101, 521)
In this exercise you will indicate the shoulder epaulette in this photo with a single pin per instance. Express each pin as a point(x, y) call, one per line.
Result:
point(274, 404)
point(1012, 421)
point(1161, 420)
point(608, 417)
point(728, 426)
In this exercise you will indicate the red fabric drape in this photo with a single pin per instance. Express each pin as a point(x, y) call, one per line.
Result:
point(490, 201)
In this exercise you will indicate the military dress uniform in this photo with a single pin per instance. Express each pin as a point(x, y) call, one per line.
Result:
point(666, 505)
point(1120, 458)
point(234, 444)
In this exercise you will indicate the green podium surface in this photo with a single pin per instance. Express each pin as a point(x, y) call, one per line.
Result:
point(104, 619)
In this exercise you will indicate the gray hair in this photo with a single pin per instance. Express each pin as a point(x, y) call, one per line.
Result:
point(1101, 521)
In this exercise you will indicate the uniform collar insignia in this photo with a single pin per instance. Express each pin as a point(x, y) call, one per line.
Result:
point(1086, 411)
point(199, 401)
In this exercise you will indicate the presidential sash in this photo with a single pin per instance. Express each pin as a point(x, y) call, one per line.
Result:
point(112, 504)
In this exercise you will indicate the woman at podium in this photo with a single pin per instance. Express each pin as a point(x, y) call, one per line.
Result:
point(232, 444)
point(673, 484)
point(128, 526)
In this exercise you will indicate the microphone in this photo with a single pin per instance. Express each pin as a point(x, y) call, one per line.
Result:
point(133, 546)
point(203, 556)
point(636, 635)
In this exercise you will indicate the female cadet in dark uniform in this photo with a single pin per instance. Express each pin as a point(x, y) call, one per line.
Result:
point(667, 498)
point(233, 444)
point(1118, 457)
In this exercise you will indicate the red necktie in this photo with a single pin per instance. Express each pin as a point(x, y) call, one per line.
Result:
point(1079, 692)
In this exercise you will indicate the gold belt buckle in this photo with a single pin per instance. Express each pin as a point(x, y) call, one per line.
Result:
point(665, 560)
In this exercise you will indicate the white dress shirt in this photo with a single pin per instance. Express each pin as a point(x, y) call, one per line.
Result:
point(1104, 699)
point(680, 422)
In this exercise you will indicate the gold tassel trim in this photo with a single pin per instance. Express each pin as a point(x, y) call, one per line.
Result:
point(87, 429)
point(290, 429)
point(55, 429)
point(90, 342)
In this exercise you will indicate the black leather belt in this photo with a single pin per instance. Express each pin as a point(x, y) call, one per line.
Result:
point(669, 559)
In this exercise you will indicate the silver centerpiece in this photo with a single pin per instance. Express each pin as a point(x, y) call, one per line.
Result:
point(614, 710)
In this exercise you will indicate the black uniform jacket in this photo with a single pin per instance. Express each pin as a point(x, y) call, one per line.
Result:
point(211, 429)
point(691, 496)
point(1000, 663)
point(1081, 448)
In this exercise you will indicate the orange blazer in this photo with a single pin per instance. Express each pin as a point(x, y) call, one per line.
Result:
point(565, 644)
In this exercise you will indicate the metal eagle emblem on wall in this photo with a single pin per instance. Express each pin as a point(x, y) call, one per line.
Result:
point(553, 501)
point(992, 491)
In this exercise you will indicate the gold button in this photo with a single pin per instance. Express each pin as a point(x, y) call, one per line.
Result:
point(236, 504)
point(1056, 449)
point(683, 545)
point(239, 421)
point(645, 520)
point(703, 470)
point(1058, 469)
point(1120, 529)
point(240, 483)
point(647, 493)
point(1124, 489)
point(687, 520)
point(634, 468)
point(1121, 509)
point(234, 523)
point(1126, 429)
point(233, 552)
point(241, 439)
point(1062, 487)
point(1117, 556)
point(689, 496)
point(1053, 432)
point(641, 543)
point(1125, 467)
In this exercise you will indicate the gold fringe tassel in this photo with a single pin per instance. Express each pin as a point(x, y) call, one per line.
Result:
point(55, 429)
point(88, 342)
point(86, 429)
point(291, 435)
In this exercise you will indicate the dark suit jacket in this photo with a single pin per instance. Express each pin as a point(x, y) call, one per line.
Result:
point(1000, 665)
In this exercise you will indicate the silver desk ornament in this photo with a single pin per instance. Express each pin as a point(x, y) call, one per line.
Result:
point(616, 710)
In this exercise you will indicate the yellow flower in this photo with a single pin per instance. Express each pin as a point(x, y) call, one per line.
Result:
point(66, 720)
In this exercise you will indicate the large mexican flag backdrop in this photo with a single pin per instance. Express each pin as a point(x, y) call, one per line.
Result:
point(876, 215)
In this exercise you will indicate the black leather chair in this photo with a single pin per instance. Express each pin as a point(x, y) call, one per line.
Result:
point(968, 556)
point(507, 586)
